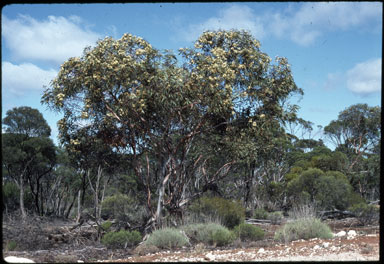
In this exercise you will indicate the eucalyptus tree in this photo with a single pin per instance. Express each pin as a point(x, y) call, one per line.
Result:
point(26, 121)
point(144, 103)
point(28, 153)
point(357, 133)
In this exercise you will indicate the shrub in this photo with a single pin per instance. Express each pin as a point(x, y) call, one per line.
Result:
point(121, 239)
point(333, 191)
point(209, 234)
point(275, 217)
point(11, 245)
point(260, 213)
point(301, 211)
point(144, 249)
point(167, 238)
point(222, 237)
point(365, 213)
point(10, 196)
point(248, 232)
point(328, 190)
point(123, 208)
point(198, 232)
point(303, 229)
point(106, 226)
point(229, 212)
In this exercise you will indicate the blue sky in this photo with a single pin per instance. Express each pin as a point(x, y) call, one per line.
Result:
point(335, 48)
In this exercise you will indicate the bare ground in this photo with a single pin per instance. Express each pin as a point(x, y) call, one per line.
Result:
point(50, 241)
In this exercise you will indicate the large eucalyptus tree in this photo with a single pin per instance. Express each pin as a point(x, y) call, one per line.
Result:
point(164, 113)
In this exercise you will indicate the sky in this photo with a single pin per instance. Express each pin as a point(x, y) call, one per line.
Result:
point(334, 48)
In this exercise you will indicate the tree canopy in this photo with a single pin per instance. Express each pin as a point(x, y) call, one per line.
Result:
point(27, 121)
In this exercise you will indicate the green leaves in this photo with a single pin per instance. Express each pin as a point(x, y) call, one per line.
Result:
point(26, 121)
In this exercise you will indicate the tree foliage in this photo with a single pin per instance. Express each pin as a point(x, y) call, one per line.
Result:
point(28, 154)
point(27, 121)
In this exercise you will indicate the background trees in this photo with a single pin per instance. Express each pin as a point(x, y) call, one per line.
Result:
point(357, 133)
point(28, 153)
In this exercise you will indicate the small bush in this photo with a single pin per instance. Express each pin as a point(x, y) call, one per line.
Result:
point(229, 212)
point(365, 213)
point(167, 238)
point(121, 239)
point(275, 217)
point(208, 234)
point(301, 211)
point(11, 245)
point(123, 208)
point(144, 249)
point(222, 237)
point(260, 213)
point(248, 232)
point(303, 229)
point(106, 226)
point(10, 196)
point(198, 233)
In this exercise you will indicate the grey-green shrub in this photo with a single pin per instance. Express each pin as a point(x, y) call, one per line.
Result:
point(260, 213)
point(222, 237)
point(305, 228)
point(229, 212)
point(275, 217)
point(248, 232)
point(366, 214)
point(121, 239)
point(210, 233)
point(197, 233)
point(167, 238)
point(123, 209)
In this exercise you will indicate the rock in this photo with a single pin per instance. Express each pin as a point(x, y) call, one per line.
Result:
point(352, 233)
point(261, 250)
point(288, 249)
point(341, 234)
point(316, 247)
point(12, 259)
point(325, 244)
point(209, 257)
point(333, 248)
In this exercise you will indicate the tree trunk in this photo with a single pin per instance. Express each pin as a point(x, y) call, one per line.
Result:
point(160, 205)
point(66, 215)
point(78, 207)
point(22, 207)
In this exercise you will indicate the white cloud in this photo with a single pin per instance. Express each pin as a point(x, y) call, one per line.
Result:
point(235, 17)
point(311, 20)
point(55, 39)
point(302, 23)
point(18, 79)
point(365, 78)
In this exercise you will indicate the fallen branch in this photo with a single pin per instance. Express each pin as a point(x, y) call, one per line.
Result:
point(251, 220)
point(332, 214)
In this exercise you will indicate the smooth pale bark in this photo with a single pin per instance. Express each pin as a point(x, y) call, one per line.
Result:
point(22, 207)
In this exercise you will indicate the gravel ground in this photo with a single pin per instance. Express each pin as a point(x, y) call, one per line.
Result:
point(358, 248)
point(363, 245)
